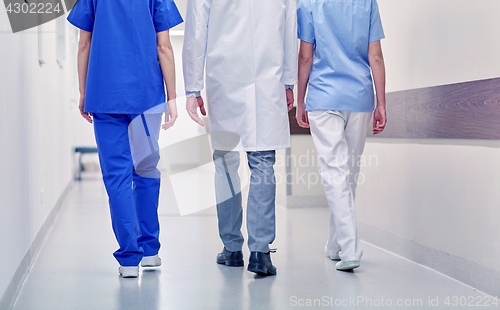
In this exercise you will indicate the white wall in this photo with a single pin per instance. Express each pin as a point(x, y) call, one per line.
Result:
point(443, 195)
point(40, 125)
point(436, 42)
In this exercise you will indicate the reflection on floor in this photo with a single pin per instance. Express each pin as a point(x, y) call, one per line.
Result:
point(76, 269)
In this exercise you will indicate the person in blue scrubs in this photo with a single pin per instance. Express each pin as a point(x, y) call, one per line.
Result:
point(339, 51)
point(125, 60)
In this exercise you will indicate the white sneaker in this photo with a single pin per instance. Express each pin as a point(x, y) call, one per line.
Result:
point(332, 256)
point(349, 265)
point(129, 272)
point(151, 261)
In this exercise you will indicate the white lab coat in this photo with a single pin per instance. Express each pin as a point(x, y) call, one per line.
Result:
point(250, 47)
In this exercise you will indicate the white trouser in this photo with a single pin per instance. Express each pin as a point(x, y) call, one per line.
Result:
point(339, 138)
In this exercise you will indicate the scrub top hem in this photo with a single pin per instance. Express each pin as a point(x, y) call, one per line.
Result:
point(79, 26)
point(307, 40)
point(335, 109)
point(126, 112)
point(377, 39)
point(178, 22)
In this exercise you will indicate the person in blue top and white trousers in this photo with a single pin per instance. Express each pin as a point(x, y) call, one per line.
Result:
point(339, 51)
point(125, 59)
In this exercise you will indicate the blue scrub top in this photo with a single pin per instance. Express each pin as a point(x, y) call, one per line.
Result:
point(340, 30)
point(124, 74)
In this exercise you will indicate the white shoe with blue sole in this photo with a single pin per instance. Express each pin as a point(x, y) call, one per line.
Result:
point(347, 265)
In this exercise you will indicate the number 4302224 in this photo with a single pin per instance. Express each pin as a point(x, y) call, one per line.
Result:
point(33, 8)
point(471, 301)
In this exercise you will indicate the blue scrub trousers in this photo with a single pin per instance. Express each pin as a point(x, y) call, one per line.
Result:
point(128, 154)
point(261, 221)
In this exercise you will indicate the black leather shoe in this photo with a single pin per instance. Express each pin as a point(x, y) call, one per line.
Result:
point(261, 264)
point(230, 259)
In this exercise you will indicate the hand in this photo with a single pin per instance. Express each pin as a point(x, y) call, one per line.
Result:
point(192, 104)
point(170, 115)
point(301, 115)
point(289, 99)
point(81, 106)
point(379, 120)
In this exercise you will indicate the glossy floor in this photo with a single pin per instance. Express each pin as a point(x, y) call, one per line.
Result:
point(76, 270)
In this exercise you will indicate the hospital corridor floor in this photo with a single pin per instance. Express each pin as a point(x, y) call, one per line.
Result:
point(75, 268)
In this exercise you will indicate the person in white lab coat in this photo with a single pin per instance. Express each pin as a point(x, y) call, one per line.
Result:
point(250, 49)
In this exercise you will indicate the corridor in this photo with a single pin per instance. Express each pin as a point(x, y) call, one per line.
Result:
point(75, 268)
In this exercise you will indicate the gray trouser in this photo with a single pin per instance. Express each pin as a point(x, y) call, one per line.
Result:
point(261, 223)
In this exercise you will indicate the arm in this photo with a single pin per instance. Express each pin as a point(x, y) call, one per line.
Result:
point(289, 98)
point(376, 59)
point(193, 54)
point(306, 54)
point(83, 65)
point(289, 77)
point(167, 64)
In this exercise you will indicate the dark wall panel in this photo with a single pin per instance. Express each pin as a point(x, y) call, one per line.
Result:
point(469, 110)
point(295, 129)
